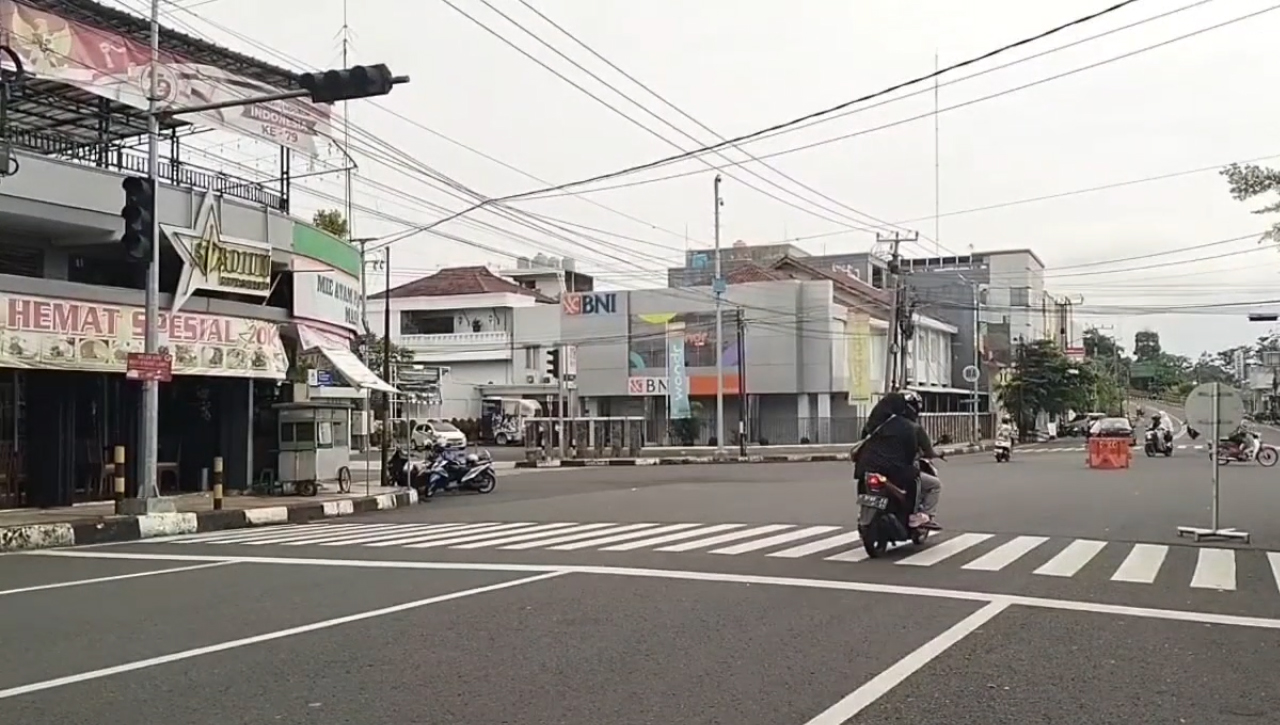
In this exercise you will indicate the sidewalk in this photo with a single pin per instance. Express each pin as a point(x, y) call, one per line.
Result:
point(96, 523)
point(755, 454)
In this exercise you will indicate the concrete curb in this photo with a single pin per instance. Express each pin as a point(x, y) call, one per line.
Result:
point(119, 529)
point(704, 460)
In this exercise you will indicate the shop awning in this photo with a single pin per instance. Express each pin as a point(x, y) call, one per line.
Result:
point(338, 352)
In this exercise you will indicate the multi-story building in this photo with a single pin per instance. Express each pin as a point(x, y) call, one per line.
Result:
point(244, 289)
point(473, 334)
point(992, 298)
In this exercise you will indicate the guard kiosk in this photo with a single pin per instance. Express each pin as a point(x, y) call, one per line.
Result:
point(314, 440)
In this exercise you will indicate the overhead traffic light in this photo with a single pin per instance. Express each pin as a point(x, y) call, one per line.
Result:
point(553, 362)
point(138, 212)
point(361, 81)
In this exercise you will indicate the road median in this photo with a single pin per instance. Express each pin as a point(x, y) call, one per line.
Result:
point(711, 459)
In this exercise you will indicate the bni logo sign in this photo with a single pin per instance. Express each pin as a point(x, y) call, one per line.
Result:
point(590, 303)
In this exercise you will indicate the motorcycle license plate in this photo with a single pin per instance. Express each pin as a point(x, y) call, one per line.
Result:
point(875, 502)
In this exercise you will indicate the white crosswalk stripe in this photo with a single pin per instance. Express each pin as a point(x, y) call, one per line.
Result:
point(977, 554)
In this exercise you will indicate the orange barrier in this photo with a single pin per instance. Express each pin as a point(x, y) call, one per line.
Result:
point(1109, 453)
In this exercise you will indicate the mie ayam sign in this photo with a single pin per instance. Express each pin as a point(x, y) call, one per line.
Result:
point(215, 262)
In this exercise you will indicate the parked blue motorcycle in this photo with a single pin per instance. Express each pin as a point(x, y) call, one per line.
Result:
point(453, 470)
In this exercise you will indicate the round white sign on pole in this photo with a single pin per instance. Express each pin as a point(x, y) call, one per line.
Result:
point(970, 374)
point(1200, 409)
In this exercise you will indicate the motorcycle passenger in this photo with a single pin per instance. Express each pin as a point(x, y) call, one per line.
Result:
point(895, 441)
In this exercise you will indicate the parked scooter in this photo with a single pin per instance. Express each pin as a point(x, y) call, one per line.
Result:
point(452, 470)
point(885, 513)
point(402, 470)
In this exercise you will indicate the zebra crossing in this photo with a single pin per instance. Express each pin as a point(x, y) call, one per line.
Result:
point(1142, 563)
point(1043, 448)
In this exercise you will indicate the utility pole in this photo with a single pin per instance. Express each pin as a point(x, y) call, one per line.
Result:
point(977, 361)
point(742, 386)
point(718, 287)
point(346, 146)
point(893, 346)
point(386, 367)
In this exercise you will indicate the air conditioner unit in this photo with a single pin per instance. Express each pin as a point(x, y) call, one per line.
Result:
point(531, 378)
point(547, 380)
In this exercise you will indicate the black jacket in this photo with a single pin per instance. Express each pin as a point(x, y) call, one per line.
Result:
point(893, 449)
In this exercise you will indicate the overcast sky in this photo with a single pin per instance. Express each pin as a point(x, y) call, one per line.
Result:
point(738, 66)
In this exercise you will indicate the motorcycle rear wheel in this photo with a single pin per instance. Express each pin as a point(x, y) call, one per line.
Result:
point(872, 542)
point(487, 483)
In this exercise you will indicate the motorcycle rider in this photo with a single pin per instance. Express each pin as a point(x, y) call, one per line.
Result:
point(894, 442)
point(1157, 425)
point(1245, 440)
point(1006, 432)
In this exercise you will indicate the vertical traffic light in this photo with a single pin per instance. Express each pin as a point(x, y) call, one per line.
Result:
point(138, 212)
point(553, 362)
point(361, 81)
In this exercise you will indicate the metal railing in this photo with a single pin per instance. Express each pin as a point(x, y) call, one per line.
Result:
point(943, 428)
point(132, 161)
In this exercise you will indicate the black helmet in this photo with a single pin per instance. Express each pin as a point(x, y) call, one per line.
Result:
point(912, 404)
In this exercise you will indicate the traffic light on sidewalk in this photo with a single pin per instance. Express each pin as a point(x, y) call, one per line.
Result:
point(138, 212)
point(361, 81)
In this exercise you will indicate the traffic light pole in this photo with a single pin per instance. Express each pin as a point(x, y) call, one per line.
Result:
point(148, 486)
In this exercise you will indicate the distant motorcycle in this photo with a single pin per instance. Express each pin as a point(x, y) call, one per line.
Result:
point(1157, 443)
point(1003, 449)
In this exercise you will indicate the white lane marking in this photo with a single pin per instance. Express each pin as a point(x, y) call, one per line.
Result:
point(1065, 605)
point(880, 685)
point(813, 547)
point(1005, 554)
point(726, 538)
point(616, 537)
point(354, 533)
point(1274, 559)
point(539, 536)
point(267, 637)
point(783, 538)
point(1072, 559)
point(114, 578)
point(416, 529)
point(856, 555)
point(1142, 565)
point(468, 538)
point(632, 545)
point(610, 533)
point(1215, 569)
point(432, 537)
point(945, 550)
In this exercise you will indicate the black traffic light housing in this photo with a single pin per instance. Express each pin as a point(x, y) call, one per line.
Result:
point(138, 212)
point(1263, 317)
point(361, 81)
point(553, 362)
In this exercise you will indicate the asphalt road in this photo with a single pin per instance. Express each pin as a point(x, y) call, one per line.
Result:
point(683, 594)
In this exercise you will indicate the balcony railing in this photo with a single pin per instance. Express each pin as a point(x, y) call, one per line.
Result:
point(459, 346)
point(132, 161)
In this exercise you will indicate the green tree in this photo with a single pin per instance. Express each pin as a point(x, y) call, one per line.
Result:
point(1249, 181)
point(332, 221)
point(1045, 381)
point(1146, 346)
point(370, 348)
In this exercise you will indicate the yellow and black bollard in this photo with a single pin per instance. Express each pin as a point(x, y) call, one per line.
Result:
point(217, 483)
point(117, 473)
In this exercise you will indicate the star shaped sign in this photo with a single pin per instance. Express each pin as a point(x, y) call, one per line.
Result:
point(213, 261)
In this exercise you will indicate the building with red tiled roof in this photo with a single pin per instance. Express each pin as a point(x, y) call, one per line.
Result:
point(453, 281)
